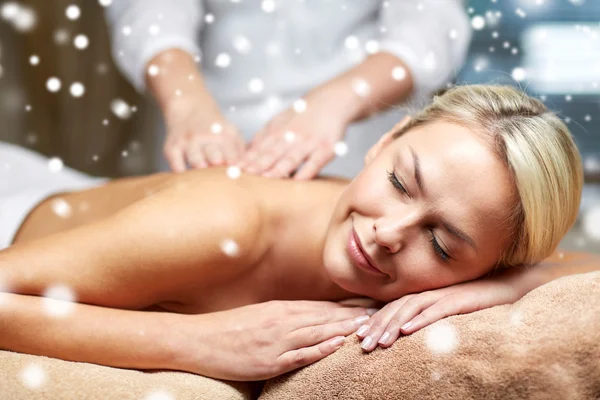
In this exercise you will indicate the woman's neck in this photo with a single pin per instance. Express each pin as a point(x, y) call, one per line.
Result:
point(297, 217)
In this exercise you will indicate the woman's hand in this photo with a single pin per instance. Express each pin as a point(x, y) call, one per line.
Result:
point(415, 311)
point(306, 133)
point(199, 135)
point(260, 341)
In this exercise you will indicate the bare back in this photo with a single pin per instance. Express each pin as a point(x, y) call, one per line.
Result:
point(286, 203)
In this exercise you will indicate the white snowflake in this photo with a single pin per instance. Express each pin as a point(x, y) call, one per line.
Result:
point(300, 106)
point(59, 300)
point(230, 247)
point(10, 10)
point(159, 395)
point(268, 6)
point(216, 128)
point(242, 44)
point(478, 22)
point(55, 164)
point(453, 34)
point(25, 19)
point(34, 59)
point(81, 42)
point(289, 136)
point(126, 30)
point(77, 89)
point(351, 42)
point(120, 108)
point(441, 338)
point(105, 3)
point(361, 87)
point(223, 60)
point(61, 208)
point(73, 12)
point(153, 70)
point(209, 18)
point(154, 29)
point(256, 85)
point(234, 172)
point(372, 46)
point(53, 84)
point(399, 73)
point(33, 376)
point(518, 74)
point(591, 223)
point(340, 149)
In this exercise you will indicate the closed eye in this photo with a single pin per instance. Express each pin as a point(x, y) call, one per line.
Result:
point(445, 257)
point(395, 182)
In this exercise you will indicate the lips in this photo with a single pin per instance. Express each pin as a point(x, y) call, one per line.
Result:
point(358, 255)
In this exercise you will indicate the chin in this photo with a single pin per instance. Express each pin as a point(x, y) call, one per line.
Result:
point(341, 271)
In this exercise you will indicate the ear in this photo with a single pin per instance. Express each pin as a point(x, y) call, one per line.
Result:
point(386, 139)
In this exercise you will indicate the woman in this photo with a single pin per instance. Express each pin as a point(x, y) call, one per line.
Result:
point(484, 177)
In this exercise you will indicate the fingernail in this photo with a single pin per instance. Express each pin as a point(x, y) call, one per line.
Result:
point(362, 330)
point(361, 319)
point(384, 338)
point(338, 341)
point(407, 325)
point(365, 343)
point(372, 311)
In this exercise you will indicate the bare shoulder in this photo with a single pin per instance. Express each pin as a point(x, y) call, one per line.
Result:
point(229, 208)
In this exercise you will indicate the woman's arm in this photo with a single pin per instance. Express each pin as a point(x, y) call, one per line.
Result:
point(149, 252)
point(84, 333)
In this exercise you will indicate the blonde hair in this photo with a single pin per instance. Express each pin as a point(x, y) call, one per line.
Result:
point(539, 151)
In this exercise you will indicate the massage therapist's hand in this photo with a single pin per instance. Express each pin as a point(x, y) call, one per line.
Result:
point(305, 133)
point(415, 311)
point(260, 341)
point(199, 135)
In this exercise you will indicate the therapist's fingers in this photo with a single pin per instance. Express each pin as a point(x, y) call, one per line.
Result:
point(174, 153)
point(317, 160)
point(195, 153)
point(273, 151)
point(213, 153)
point(290, 161)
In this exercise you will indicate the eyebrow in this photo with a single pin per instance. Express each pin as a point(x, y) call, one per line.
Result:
point(453, 230)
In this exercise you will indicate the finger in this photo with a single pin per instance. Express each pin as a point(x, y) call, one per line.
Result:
point(326, 315)
point(174, 154)
point(213, 153)
point(315, 163)
point(408, 311)
point(294, 359)
point(195, 154)
point(445, 307)
point(275, 148)
point(314, 334)
point(385, 326)
point(251, 152)
point(266, 153)
point(230, 152)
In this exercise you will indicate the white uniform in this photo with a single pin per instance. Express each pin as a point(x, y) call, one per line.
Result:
point(260, 56)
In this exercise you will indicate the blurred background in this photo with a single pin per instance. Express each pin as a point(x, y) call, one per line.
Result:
point(61, 94)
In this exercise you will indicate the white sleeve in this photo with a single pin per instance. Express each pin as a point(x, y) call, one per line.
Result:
point(430, 36)
point(140, 29)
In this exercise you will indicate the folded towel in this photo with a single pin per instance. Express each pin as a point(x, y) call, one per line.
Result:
point(27, 377)
point(545, 346)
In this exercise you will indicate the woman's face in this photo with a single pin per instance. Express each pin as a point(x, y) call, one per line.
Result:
point(427, 211)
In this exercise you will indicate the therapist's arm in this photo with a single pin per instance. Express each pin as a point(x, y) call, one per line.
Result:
point(421, 48)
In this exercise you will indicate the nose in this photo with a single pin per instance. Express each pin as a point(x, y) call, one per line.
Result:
point(394, 232)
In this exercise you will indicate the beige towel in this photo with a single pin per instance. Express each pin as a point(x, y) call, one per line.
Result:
point(545, 346)
point(27, 377)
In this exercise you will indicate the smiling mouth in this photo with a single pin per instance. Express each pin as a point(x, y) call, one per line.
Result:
point(357, 253)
